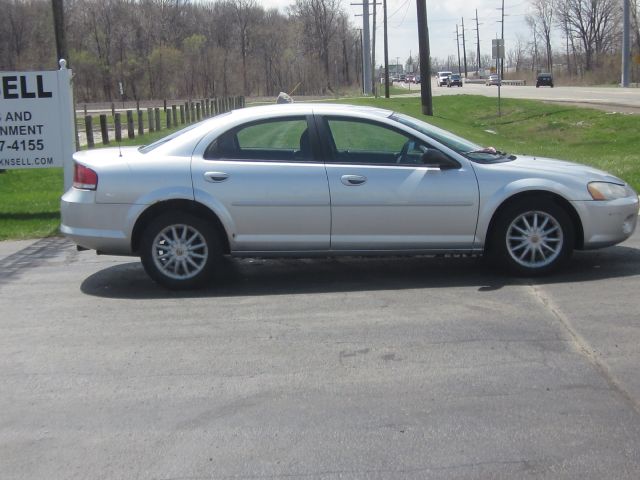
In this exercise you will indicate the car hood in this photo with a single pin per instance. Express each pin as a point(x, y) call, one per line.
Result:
point(561, 167)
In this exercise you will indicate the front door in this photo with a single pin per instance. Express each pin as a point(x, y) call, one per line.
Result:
point(384, 197)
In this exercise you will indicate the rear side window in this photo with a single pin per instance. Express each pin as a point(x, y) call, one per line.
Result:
point(273, 140)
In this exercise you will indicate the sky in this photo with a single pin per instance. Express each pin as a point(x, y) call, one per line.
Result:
point(442, 17)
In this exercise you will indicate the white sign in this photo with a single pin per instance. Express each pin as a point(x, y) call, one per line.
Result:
point(36, 119)
point(497, 48)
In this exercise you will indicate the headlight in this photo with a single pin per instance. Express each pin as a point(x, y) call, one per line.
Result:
point(608, 191)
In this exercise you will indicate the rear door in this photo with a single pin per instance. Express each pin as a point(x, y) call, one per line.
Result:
point(269, 183)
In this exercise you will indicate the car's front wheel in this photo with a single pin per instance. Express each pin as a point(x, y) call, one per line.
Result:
point(179, 250)
point(532, 238)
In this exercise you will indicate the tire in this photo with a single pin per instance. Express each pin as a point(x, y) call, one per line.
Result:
point(532, 238)
point(180, 250)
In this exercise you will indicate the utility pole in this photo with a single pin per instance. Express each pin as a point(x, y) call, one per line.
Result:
point(502, 37)
point(366, 48)
point(478, 44)
point(458, 43)
point(359, 62)
point(464, 50)
point(373, 52)
point(58, 27)
point(626, 54)
point(425, 61)
point(386, 52)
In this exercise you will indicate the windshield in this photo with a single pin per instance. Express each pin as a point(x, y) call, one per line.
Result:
point(459, 145)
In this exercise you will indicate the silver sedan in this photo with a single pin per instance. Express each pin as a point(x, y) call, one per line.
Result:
point(309, 179)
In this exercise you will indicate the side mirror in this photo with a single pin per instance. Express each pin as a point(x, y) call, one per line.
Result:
point(435, 158)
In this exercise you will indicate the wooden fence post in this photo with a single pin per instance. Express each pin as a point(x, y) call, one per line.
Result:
point(88, 127)
point(167, 114)
point(158, 126)
point(150, 120)
point(103, 129)
point(113, 109)
point(182, 118)
point(187, 111)
point(118, 125)
point(198, 113)
point(174, 114)
point(140, 123)
point(131, 132)
point(192, 108)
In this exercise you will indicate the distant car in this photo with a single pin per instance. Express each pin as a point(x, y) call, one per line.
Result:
point(403, 77)
point(441, 78)
point(493, 79)
point(417, 79)
point(304, 179)
point(411, 79)
point(544, 79)
point(454, 80)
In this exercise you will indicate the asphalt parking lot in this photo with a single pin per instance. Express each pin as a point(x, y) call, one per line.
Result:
point(403, 368)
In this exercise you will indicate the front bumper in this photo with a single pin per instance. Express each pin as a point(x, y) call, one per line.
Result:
point(607, 223)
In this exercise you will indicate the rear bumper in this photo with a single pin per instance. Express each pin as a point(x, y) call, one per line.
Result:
point(96, 226)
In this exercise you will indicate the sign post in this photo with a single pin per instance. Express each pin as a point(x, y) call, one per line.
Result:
point(497, 52)
point(37, 120)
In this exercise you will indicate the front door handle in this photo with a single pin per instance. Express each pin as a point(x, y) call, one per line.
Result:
point(353, 180)
point(216, 177)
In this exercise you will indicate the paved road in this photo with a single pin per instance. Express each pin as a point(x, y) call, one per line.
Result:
point(319, 369)
point(613, 99)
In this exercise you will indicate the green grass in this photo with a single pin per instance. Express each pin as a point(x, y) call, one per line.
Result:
point(29, 199)
point(30, 203)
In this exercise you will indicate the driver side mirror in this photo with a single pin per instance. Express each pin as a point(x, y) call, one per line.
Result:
point(435, 158)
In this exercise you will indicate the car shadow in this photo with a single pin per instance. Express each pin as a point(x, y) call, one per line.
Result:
point(246, 277)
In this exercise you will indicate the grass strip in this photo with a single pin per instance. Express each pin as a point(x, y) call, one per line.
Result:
point(29, 199)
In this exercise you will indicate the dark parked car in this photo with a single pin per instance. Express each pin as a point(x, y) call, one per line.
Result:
point(544, 79)
point(454, 80)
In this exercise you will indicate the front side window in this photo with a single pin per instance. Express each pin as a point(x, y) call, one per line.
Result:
point(371, 143)
point(274, 140)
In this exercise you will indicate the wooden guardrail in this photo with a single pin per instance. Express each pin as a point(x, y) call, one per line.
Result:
point(504, 82)
point(174, 116)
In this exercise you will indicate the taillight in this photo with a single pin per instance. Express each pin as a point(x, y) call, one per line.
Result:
point(84, 178)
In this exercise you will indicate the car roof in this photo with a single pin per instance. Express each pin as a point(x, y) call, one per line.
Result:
point(183, 142)
point(262, 111)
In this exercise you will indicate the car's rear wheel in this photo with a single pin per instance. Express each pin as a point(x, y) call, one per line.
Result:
point(532, 238)
point(179, 250)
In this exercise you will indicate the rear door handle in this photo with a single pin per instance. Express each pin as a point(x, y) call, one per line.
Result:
point(216, 177)
point(353, 180)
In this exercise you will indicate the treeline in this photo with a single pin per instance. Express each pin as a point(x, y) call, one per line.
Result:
point(186, 49)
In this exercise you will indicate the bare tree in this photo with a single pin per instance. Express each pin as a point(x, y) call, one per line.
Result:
point(541, 21)
point(594, 23)
point(320, 20)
